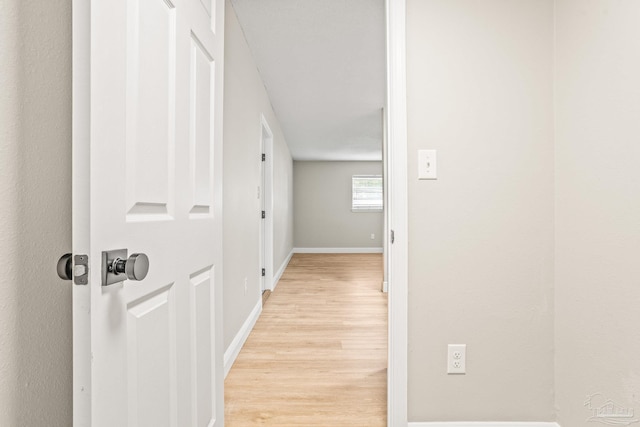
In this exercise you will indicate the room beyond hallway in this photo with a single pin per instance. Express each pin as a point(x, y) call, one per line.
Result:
point(317, 355)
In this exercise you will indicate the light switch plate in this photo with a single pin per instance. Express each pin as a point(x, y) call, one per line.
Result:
point(427, 164)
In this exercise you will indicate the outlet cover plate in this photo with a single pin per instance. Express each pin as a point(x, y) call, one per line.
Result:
point(457, 359)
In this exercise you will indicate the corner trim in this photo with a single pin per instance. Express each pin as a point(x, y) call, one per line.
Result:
point(484, 424)
point(280, 272)
point(337, 250)
point(232, 352)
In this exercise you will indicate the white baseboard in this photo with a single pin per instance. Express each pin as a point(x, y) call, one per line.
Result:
point(483, 424)
point(233, 351)
point(278, 275)
point(337, 250)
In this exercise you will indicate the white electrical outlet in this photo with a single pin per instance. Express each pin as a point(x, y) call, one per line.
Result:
point(245, 286)
point(457, 359)
point(373, 236)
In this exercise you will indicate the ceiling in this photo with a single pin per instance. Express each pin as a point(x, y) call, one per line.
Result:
point(323, 65)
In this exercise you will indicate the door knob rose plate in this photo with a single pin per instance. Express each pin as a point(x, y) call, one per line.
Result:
point(109, 277)
point(117, 267)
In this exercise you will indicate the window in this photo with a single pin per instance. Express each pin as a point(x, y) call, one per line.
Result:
point(366, 193)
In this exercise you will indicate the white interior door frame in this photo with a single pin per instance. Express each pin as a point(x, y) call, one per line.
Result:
point(81, 82)
point(385, 203)
point(266, 196)
point(396, 111)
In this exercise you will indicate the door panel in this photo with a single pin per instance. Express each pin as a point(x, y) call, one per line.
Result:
point(201, 110)
point(151, 359)
point(147, 177)
point(150, 105)
point(203, 327)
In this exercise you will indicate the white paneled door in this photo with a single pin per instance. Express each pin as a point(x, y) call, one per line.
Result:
point(147, 146)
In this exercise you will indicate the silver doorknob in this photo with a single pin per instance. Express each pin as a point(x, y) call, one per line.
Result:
point(65, 267)
point(117, 266)
point(135, 267)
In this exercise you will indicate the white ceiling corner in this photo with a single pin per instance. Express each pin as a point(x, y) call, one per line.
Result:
point(323, 65)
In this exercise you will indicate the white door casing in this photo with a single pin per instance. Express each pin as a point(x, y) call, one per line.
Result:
point(147, 176)
point(262, 245)
point(396, 111)
point(266, 203)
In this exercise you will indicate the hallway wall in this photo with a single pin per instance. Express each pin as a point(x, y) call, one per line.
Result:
point(322, 201)
point(245, 99)
point(480, 91)
point(597, 206)
point(35, 212)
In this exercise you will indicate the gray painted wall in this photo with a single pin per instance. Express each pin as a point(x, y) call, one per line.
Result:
point(322, 206)
point(597, 205)
point(479, 88)
point(245, 99)
point(282, 198)
point(35, 212)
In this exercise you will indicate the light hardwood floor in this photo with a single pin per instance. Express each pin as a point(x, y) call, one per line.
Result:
point(318, 353)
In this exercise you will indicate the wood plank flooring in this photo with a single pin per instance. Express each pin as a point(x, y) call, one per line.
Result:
point(318, 353)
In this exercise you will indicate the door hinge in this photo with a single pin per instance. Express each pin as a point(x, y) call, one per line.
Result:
point(264, 272)
point(264, 157)
point(264, 214)
point(393, 236)
point(81, 269)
